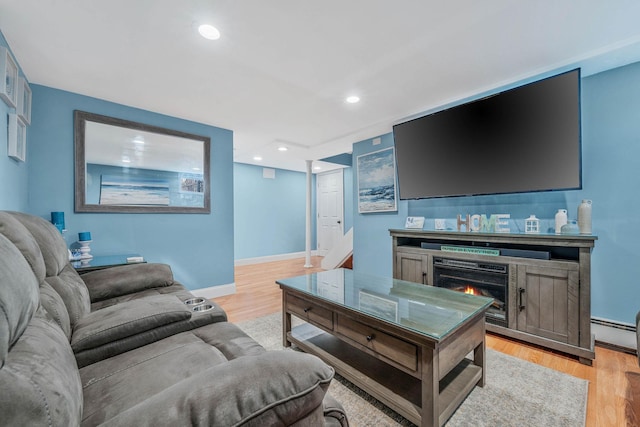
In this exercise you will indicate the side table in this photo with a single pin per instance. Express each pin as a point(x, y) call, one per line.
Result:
point(105, 261)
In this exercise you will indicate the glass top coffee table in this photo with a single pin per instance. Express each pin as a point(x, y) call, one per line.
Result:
point(402, 342)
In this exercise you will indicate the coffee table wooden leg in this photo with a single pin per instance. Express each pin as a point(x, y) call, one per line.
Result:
point(479, 358)
point(286, 322)
point(430, 388)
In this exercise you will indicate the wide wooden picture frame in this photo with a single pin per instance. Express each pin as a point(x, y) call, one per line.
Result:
point(124, 166)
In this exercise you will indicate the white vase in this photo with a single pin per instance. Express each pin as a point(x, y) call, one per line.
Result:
point(584, 217)
point(561, 219)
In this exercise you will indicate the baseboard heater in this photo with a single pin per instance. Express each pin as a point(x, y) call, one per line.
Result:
point(614, 335)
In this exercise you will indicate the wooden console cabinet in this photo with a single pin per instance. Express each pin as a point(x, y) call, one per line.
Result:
point(549, 300)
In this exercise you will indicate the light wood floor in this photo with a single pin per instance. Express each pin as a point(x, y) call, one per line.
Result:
point(614, 378)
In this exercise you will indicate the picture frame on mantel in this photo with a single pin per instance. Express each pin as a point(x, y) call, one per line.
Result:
point(24, 100)
point(8, 78)
point(377, 189)
point(17, 133)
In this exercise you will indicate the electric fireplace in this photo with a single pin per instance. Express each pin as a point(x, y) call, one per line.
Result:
point(476, 278)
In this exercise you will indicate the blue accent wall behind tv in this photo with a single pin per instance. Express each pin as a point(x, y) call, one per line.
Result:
point(610, 164)
point(199, 247)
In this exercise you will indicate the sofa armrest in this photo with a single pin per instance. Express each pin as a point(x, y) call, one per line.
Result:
point(126, 279)
point(126, 319)
point(276, 388)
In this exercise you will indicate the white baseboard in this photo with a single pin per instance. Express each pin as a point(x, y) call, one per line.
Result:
point(270, 258)
point(614, 333)
point(215, 291)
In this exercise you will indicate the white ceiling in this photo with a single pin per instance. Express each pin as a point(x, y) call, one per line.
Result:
point(282, 68)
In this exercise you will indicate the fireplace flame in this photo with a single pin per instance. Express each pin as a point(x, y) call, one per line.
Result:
point(470, 290)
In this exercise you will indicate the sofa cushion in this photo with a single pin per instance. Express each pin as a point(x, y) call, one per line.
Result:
point(276, 388)
point(109, 349)
point(52, 245)
point(127, 319)
point(127, 279)
point(73, 292)
point(213, 375)
point(46, 251)
point(18, 234)
point(18, 295)
point(52, 302)
point(40, 381)
point(130, 378)
point(176, 289)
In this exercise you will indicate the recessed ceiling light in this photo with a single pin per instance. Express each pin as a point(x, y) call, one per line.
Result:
point(257, 158)
point(317, 168)
point(209, 32)
point(352, 99)
point(195, 169)
point(282, 148)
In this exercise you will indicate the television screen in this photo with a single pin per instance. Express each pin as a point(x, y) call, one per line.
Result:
point(521, 140)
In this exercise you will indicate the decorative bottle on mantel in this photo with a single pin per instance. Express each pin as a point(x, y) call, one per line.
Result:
point(584, 217)
point(561, 219)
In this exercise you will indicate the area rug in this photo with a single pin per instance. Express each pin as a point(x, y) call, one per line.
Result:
point(517, 392)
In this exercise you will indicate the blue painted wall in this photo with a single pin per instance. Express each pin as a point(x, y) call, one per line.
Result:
point(270, 214)
point(371, 241)
point(611, 153)
point(14, 178)
point(199, 247)
point(347, 179)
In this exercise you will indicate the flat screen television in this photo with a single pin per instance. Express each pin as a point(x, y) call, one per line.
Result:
point(521, 140)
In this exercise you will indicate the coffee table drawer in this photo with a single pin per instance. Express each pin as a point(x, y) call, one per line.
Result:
point(310, 312)
point(384, 344)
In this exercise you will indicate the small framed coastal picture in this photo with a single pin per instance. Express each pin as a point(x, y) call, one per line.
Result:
point(414, 222)
point(377, 181)
point(17, 133)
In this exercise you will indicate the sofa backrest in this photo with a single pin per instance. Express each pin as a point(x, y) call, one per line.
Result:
point(46, 250)
point(19, 296)
point(18, 234)
point(39, 377)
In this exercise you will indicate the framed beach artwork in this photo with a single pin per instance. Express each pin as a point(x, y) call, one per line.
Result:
point(119, 190)
point(377, 182)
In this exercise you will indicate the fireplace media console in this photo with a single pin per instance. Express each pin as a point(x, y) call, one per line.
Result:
point(540, 283)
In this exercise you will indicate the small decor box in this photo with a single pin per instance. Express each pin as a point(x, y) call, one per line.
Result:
point(532, 225)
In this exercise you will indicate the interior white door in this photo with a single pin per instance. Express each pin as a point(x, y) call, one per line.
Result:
point(330, 207)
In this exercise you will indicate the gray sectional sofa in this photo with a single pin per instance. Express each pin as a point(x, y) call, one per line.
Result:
point(120, 347)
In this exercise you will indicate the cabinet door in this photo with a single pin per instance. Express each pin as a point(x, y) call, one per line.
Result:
point(412, 267)
point(548, 302)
